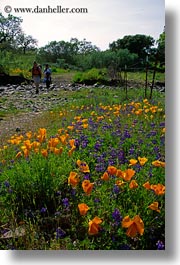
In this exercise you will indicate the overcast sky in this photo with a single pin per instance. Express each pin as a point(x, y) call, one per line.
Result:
point(105, 22)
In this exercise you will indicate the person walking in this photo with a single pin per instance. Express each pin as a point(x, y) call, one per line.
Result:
point(47, 76)
point(36, 76)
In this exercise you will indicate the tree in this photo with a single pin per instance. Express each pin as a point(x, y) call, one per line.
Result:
point(64, 53)
point(9, 28)
point(161, 48)
point(138, 44)
point(26, 42)
point(55, 50)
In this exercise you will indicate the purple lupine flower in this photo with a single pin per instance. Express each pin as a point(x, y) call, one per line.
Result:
point(43, 210)
point(127, 134)
point(116, 215)
point(77, 144)
point(84, 143)
point(116, 189)
point(6, 183)
point(58, 193)
point(86, 176)
point(57, 213)
point(97, 146)
point(65, 202)
point(60, 233)
point(96, 200)
point(73, 192)
point(160, 245)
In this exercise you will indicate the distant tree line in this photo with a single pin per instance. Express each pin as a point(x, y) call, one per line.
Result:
point(134, 51)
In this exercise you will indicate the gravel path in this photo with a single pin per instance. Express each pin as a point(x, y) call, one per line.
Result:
point(28, 107)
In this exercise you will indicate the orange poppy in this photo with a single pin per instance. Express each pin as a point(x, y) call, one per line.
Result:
point(19, 154)
point(72, 142)
point(83, 208)
point(28, 144)
point(128, 174)
point(112, 170)
point(58, 151)
point(158, 163)
point(73, 179)
point(63, 138)
point(53, 142)
point(83, 166)
point(154, 206)
point(142, 160)
point(147, 185)
point(87, 186)
point(42, 135)
point(133, 184)
point(105, 176)
point(73, 148)
point(120, 183)
point(159, 189)
point(44, 152)
point(26, 152)
point(119, 173)
point(134, 226)
point(132, 162)
point(94, 226)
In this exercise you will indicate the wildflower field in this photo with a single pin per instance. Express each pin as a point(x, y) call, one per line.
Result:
point(92, 179)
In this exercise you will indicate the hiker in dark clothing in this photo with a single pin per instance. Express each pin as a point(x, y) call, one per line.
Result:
point(47, 76)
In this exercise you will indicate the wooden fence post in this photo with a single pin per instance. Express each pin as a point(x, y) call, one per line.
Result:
point(146, 81)
point(154, 74)
point(125, 79)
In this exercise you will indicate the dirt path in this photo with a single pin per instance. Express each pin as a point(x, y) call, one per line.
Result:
point(33, 118)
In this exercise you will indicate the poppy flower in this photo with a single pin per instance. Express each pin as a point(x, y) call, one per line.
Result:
point(44, 152)
point(119, 173)
point(94, 226)
point(29, 135)
point(147, 185)
point(83, 166)
point(73, 148)
point(85, 125)
point(63, 138)
point(142, 160)
point(128, 174)
point(132, 162)
point(120, 183)
point(112, 170)
point(87, 186)
point(42, 135)
point(57, 151)
point(105, 176)
point(158, 163)
point(134, 226)
point(28, 144)
point(71, 128)
point(36, 145)
point(19, 154)
point(133, 184)
point(159, 189)
point(72, 142)
point(26, 152)
point(53, 142)
point(73, 179)
point(154, 206)
point(83, 208)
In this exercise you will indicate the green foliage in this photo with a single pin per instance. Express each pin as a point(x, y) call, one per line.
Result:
point(138, 44)
point(90, 77)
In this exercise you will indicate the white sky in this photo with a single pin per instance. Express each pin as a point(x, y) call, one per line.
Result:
point(105, 22)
